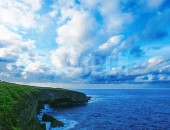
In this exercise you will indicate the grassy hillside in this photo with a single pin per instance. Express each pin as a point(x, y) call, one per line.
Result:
point(12, 101)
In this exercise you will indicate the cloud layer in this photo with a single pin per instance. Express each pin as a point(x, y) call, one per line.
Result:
point(84, 41)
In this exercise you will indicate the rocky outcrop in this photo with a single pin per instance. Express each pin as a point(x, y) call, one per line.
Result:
point(54, 122)
point(53, 97)
point(60, 98)
point(25, 113)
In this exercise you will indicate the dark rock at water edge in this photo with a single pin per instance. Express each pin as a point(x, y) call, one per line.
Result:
point(57, 123)
point(47, 118)
point(54, 122)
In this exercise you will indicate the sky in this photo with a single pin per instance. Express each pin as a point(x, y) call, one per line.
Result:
point(85, 41)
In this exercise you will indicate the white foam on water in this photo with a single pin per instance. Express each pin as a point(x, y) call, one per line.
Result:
point(46, 109)
point(48, 124)
point(94, 98)
point(68, 124)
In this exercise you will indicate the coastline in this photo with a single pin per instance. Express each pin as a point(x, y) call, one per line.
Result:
point(20, 104)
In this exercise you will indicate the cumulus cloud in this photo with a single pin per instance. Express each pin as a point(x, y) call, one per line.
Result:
point(17, 53)
point(12, 44)
point(91, 39)
point(112, 43)
point(80, 33)
point(155, 69)
point(19, 13)
point(73, 40)
point(88, 40)
point(110, 13)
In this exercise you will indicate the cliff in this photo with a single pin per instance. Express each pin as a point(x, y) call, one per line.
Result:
point(19, 104)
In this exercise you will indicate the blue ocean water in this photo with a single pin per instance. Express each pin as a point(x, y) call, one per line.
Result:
point(118, 109)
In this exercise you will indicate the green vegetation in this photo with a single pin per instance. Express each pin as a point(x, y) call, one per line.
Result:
point(12, 102)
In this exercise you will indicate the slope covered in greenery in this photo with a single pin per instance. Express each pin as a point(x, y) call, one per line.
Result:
point(13, 99)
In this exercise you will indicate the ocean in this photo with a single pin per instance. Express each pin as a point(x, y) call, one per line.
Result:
point(117, 109)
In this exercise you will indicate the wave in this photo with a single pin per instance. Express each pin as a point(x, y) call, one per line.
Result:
point(94, 98)
point(69, 124)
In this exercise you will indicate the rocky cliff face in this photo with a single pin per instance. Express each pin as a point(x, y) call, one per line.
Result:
point(25, 113)
point(61, 97)
point(54, 97)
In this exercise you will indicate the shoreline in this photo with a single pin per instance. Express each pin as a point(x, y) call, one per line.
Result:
point(21, 103)
point(68, 123)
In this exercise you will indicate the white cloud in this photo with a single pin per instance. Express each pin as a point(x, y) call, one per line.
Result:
point(112, 43)
point(19, 13)
point(152, 78)
point(35, 67)
point(154, 61)
point(18, 51)
point(87, 35)
point(73, 39)
point(112, 16)
point(9, 36)
point(80, 33)
point(35, 4)
point(155, 65)
point(150, 66)
point(12, 44)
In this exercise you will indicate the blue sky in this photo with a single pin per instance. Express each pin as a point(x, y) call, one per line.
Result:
point(85, 41)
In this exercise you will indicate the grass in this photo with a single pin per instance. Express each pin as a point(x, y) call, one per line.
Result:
point(11, 96)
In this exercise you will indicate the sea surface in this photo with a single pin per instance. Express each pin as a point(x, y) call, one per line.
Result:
point(117, 109)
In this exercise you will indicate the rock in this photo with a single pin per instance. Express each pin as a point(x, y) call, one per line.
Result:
point(57, 123)
point(60, 95)
point(54, 122)
point(47, 118)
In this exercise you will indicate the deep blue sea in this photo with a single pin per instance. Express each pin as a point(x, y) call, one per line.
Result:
point(118, 109)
